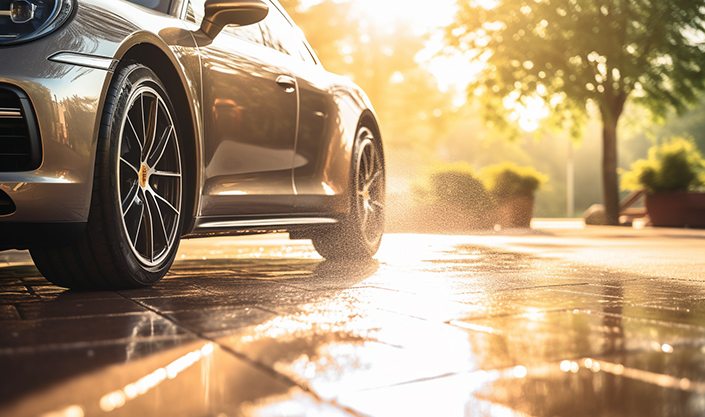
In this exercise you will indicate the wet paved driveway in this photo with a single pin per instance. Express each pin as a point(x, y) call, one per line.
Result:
point(593, 322)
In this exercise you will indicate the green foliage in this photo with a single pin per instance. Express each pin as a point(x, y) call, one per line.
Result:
point(675, 165)
point(454, 184)
point(508, 180)
point(569, 52)
point(457, 184)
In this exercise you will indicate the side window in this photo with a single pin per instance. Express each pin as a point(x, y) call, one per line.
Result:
point(284, 37)
point(191, 12)
point(252, 33)
point(158, 5)
point(195, 11)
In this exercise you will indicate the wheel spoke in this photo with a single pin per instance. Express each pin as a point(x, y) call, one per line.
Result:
point(134, 235)
point(365, 215)
point(378, 204)
point(139, 227)
point(149, 230)
point(130, 198)
point(135, 169)
point(129, 184)
point(160, 147)
point(166, 174)
point(160, 216)
point(144, 128)
point(370, 161)
point(151, 126)
point(132, 126)
point(165, 201)
point(372, 180)
point(364, 162)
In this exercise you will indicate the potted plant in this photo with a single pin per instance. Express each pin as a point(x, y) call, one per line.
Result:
point(672, 175)
point(513, 188)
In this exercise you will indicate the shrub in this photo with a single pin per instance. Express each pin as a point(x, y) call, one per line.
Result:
point(675, 165)
point(507, 180)
point(455, 184)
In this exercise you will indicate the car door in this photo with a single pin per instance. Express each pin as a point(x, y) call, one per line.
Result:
point(250, 117)
point(320, 150)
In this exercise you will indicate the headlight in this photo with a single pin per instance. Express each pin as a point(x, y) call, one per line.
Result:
point(23, 20)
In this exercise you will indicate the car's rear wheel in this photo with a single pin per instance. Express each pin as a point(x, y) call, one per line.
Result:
point(359, 235)
point(134, 226)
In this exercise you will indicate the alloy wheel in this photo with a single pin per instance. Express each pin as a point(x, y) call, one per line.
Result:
point(370, 187)
point(150, 177)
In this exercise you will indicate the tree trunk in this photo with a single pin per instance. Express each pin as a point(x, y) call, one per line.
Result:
point(610, 186)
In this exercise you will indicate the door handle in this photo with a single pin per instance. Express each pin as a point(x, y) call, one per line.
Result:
point(287, 83)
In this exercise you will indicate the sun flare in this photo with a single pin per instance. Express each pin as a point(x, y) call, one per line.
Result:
point(423, 14)
point(453, 73)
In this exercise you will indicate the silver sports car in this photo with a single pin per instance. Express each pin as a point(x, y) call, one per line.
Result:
point(126, 125)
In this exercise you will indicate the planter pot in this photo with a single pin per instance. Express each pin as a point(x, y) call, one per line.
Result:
point(676, 209)
point(516, 212)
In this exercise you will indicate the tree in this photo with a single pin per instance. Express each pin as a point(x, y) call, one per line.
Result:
point(568, 53)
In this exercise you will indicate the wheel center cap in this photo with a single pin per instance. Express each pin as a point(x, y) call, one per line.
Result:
point(143, 176)
point(366, 195)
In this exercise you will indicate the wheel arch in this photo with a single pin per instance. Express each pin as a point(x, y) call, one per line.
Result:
point(158, 61)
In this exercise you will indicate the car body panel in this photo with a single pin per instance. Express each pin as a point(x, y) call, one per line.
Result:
point(66, 100)
point(322, 178)
point(250, 123)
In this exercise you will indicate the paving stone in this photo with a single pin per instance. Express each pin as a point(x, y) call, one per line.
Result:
point(599, 321)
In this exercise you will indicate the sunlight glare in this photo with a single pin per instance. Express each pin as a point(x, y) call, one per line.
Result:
point(454, 72)
point(423, 14)
point(486, 4)
point(528, 112)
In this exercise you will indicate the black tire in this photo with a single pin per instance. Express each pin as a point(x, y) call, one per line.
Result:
point(135, 219)
point(359, 234)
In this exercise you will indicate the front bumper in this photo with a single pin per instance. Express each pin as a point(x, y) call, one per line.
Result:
point(66, 100)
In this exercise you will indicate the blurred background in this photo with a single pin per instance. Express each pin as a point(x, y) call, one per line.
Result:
point(423, 81)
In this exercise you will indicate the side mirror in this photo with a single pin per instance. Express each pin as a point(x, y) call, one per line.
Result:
point(220, 13)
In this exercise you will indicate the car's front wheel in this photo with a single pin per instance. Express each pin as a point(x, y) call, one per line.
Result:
point(359, 235)
point(134, 226)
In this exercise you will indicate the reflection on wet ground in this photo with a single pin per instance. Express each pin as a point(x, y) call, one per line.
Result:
point(591, 322)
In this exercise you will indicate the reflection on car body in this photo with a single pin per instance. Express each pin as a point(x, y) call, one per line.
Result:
point(127, 125)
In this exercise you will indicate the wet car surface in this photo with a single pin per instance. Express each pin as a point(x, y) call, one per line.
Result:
point(596, 321)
